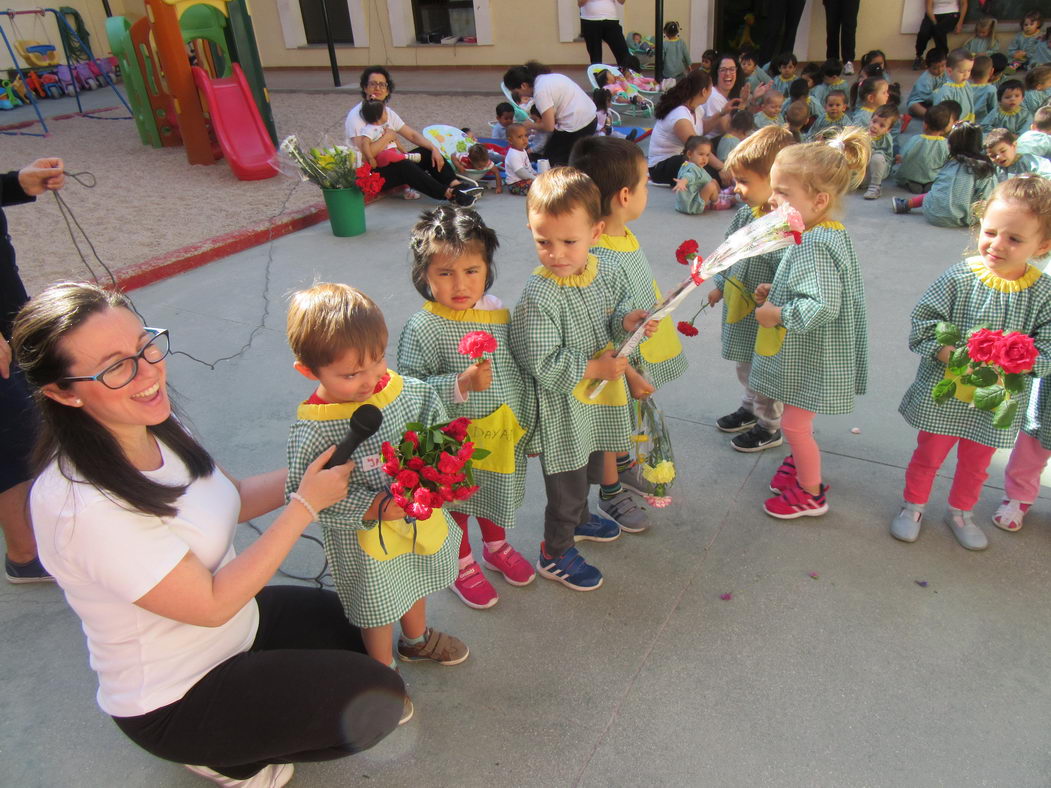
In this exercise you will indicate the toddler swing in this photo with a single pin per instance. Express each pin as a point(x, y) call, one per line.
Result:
point(452, 141)
point(521, 110)
point(32, 51)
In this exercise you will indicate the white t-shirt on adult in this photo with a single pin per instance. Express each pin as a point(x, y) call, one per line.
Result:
point(574, 108)
point(599, 9)
point(354, 123)
point(713, 106)
point(664, 142)
point(105, 557)
point(946, 7)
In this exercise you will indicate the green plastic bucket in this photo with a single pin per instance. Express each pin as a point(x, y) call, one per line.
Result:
point(346, 211)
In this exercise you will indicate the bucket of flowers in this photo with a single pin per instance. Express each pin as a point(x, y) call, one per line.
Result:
point(653, 452)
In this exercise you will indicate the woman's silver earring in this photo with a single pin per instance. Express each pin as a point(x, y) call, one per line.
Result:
point(78, 402)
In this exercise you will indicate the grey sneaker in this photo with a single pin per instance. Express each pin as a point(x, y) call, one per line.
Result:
point(625, 511)
point(899, 205)
point(967, 533)
point(873, 192)
point(906, 526)
point(633, 479)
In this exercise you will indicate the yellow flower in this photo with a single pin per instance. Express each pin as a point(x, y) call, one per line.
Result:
point(326, 160)
point(640, 438)
point(661, 473)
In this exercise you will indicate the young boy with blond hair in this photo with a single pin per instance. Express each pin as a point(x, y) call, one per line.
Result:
point(574, 307)
point(383, 565)
point(758, 419)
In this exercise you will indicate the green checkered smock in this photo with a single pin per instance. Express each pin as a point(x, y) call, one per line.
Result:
point(1017, 120)
point(1035, 142)
point(757, 78)
point(922, 159)
point(961, 93)
point(781, 86)
point(1034, 100)
point(660, 358)
point(738, 337)
point(558, 326)
point(825, 122)
point(982, 46)
point(820, 91)
point(373, 592)
point(762, 120)
point(969, 295)
point(1025, 163)
point(884, 144)
point(984, 100)
point(690, 200)
point(1038, 415)
point(823, 361)
point(954, 191)
point(924, 89)
point(428, 350)
point(862, 117)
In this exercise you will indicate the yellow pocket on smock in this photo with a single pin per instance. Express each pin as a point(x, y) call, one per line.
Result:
point(664, 344)
point(768, 341)
point(398, 537)
point(499, 432)
point(737, 306)
point(615, 393)
point(964, 393)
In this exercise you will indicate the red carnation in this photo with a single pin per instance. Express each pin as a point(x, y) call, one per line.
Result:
point(465, 492)
point(408, 479)
point(797, 237)
point(412, 438)
point(419, 511)
point(391, 468)
point(457, 428)
point(982, 344)
point(687, 329)
point(1015, 353)
point(448, 463)
point(476, 343)
point(446, 492)
point(401, 501)
point(388, 452)
point(396, 489)
point(415, 464)
point(466, 451)
point(685, 250)
point(429, 473)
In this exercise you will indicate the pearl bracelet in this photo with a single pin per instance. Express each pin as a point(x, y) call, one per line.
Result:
point(297, 497)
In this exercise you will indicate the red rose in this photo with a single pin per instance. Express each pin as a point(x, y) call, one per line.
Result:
point(415, 464)
point(446, 492)
point(429, 473)
point(982, 344)
point(419, 511)
point(465, 492)
point(685, 250)
point(457, 428)
point(1015, 353)
point(396, 489)
point(391, 468)
point(687, 329)
point(466, 451)
point(408, 479)
point(412, 438)
point(476, 343)
point(401, 501)
point(448, 463)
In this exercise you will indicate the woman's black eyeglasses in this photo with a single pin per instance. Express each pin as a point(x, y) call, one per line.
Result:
point(120, 373)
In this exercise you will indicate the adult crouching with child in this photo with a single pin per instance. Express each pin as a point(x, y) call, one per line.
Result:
point(675, 124)
point(566, 111)
point(198, 662)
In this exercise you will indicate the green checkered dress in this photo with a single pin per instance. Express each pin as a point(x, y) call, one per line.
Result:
point(921, 159)
point(1017, 120)
point(559, 325)
point(373, 592)
point(689, 200)
point(968, 295)
point(954, 191)
point(960, 92)
point(862, 117)
point(1034, 100)
point(1038, 415)
point(762, 120)
point(428, 350)
point(823, 359)
point(660, 358)
point(985, 102)
point(1025, 163)
point(884, 144)
point(1036, 142)
point(825, 122)
point(738, 337)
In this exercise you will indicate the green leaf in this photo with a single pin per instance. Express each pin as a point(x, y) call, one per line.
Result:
point(947, 334)
point(1014, 382)
point(984, 376)
point(989, 397)
point(415, 426)
point(480, 454)
point(960, 357)
point(405, 447)
point(943, 391)
point(1004, 417)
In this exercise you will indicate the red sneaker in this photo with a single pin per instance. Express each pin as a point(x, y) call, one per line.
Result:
point(796, 502)
point(784, 476)
point(474, 588)
point(509, 562)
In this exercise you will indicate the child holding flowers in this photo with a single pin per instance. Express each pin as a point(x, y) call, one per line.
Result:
point(453, 268)
point(1028, 460)
point(811, 350)
point(758, 419)
point(383, 565)
point(1000, 290)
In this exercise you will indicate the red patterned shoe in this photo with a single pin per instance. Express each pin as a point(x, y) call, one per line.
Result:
point(784, 476)
point(474, 588)
point(509, 562)
point(796, 502)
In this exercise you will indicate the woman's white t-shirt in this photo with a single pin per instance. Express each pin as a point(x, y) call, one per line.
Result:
point(664, 142)
point(354, 122)
point(713, 106)
point(105, 557)
point(599, 9)
point(946, 7)
point(574, 108)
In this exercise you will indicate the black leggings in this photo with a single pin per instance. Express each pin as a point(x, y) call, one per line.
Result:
point(422, 177)
point(306, 691)
point(667, 169)
point(595, 31)
point(841, 27)
point(939, 30)
point(561, 143)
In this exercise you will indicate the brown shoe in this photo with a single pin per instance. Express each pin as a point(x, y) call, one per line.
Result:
point(437, 646)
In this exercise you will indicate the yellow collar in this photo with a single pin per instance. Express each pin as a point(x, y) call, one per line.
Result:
point(880, 136)
point(932, 137)
point(757, 211)
point(583, 279)
point(493, 316)
point(829, 119)
point(991, 280)
point(954, 84)
point(344, 410)
point(837, 83)
point(619, 243)
point(1014, 111)
point(828, 225)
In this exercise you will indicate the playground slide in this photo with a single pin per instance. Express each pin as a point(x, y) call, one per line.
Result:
point(238, 126)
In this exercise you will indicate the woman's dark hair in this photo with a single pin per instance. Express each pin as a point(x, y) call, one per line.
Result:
point(452, 230)
point(368, 72)
point(372, 110)
point(739, 82)
point(965, 145)
point(515, 76)
point(671, 29)
point(86, 450)
point(685, 89)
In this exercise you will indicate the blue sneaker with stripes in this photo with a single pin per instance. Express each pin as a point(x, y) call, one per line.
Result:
point(570, 569)
point(597, 529)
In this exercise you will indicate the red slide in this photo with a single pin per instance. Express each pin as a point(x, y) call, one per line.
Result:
point(237, 124)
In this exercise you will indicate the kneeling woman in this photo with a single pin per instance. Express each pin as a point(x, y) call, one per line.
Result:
point(197, 661)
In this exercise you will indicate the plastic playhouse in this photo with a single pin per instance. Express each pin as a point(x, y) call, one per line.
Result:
point(193, 77)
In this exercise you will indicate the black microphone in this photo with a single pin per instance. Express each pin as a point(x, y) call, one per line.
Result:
point(363, 425)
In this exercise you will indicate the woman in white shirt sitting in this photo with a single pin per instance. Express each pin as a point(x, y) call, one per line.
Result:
point(565, 109)
point(675, 124)
point(198, 661)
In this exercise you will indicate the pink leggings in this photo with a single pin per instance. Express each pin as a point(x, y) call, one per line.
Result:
point(797, 425)
point(1022, 475)
point(972, 464)
point(491, 532)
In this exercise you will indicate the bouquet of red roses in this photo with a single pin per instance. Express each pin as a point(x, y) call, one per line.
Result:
point(994, 362)
point(431, 466)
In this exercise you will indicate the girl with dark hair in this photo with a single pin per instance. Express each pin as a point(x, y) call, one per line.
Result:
point(198, 662)
point(675, 124)
point(430, 175)
point(566, 111)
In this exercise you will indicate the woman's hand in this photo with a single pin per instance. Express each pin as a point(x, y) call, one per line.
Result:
point(761, 293)
point(768, 315)
point(437, 159)
point(42, 175)
point(320, 487)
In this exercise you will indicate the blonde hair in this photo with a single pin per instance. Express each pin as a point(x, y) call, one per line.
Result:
point(1030, 190)
point(834, 164)
point(562, 190)
point(757, 152)
point(328, 319)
